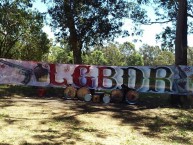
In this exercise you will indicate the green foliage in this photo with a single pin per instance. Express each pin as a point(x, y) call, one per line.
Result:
point(85, 23)
point(153, 55)
point(113, 55)
point(21, 35)
point(165, 58)
point(127, 48)
point(149, 54)
point(165, 13)
point(130, 55)
point(60, 55)
point(190, 56)
point(36, 46)
point(135, 59)
point(96, 57)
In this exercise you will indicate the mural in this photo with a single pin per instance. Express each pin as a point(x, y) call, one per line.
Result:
point(155, 79)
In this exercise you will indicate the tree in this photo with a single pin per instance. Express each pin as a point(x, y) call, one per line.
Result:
point(176, 12)
point(21, 35)
point(165, 58)
point(130, 56)
point(32, 47)
point(181, 46)
point(60, 55)
point(85, 23)
point(165, 13)
point(181, 43)
point(135, 59)
point(149, 54)
point(113, 55)
point(96, 57)
point(127, 48)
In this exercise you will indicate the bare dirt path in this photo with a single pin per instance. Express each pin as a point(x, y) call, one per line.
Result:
point(57, 121)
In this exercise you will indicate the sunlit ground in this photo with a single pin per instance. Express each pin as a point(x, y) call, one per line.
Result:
point(32, 120)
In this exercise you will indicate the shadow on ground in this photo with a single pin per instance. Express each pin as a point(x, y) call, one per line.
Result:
point(151, 117)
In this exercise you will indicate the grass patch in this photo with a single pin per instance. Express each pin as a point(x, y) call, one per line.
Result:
point(29, 91)
point(2, 115)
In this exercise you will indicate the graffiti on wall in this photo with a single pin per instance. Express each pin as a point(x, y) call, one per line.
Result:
point(155, 79)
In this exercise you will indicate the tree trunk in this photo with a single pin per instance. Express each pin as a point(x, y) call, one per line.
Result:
point(181, 34)
point(76, 47)
point(181, 49)
point(75, 44)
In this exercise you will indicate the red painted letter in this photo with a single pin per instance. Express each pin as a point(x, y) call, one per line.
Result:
point(79, 76)
point(52, 76)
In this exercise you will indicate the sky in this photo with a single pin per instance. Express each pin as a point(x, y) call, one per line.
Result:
point(148, 37)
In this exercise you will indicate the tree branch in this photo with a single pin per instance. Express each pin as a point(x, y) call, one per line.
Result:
point(2, 33)
point(162, 22)
point(189, 15)
point(176, 5)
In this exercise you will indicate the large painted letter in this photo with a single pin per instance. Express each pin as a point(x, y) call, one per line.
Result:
point(164, 78)
point(79, 76)
point(52, 76)
point(138, 77)
point(101, 77)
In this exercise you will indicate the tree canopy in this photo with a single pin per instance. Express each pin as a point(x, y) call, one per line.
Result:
point(21, 34)
point(85, 23)
point(164, 12)
point(82, 25)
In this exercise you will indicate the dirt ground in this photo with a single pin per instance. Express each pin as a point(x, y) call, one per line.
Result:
point(36, 121)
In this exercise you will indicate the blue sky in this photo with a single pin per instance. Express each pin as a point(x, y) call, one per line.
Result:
point(148, 37)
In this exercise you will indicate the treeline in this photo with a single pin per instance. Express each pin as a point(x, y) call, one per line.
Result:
point(84, 34)
point(117, 54)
